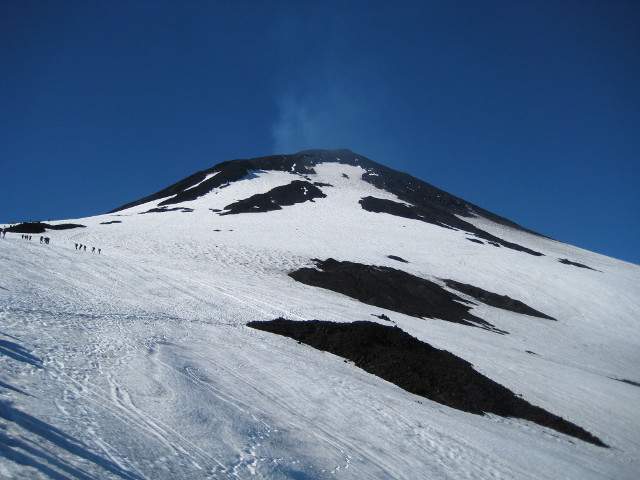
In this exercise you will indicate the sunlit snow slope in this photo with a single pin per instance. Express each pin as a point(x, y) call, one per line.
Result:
point(137, 363)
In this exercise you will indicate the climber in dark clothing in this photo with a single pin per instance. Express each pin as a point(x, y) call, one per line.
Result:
point(85, 248)
point(93, 249)
point(76, 246)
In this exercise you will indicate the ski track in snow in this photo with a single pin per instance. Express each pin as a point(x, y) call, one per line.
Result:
point(136, 364)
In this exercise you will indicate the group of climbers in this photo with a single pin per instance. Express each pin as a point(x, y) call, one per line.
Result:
point(46, 240)
point(83, 248)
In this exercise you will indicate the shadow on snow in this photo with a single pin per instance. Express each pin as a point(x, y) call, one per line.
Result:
point(27, 452)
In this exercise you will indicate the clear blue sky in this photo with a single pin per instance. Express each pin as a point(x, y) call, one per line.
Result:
point(530, 109)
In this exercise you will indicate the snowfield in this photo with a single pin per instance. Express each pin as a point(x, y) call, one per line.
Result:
point(138, 364)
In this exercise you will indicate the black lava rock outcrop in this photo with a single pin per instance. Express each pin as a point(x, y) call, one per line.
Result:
point(196, 186)
point(566, 261)
point(403, 185)
point(417, 367)
point(391, 289)
point(630, 382)
point(495, 300)
point(40, 227)
point(298, 191)
point(166, 209)
point(437, 216)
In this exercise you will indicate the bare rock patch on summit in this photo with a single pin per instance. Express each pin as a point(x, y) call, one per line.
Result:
point(298, 191)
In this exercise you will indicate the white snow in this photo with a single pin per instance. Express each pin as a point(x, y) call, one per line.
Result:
point(137, 363)
point(207, 177)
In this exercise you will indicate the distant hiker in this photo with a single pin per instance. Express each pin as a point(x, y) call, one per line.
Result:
point(99, 250)
point(93, 249)
point(85, 248)
point(29, 237)
point(76, 246)
point(46, 240)
point(41, 239)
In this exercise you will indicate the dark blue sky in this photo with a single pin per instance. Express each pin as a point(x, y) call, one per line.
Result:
point(530, 109)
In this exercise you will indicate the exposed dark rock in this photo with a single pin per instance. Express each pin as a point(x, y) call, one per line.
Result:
point(322, 184)
point(403, 185)
point(64, 226)
point(437, 216)
point(215, 210)
point(494, 244)
point(165, 209)
point(110, 222)
point(298, 191)
point(391, 289)
point(530, 352)
point(228, 172)
point(382, 316)
point(397, 258)
point(417, 367)
point(40, 227)
point(380, 205)
point(344, 175)
point(566, 261)
point(495, 300)
point(630, 382)
point(475, 240)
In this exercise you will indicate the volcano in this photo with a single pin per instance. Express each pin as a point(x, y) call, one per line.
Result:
point(313, 315)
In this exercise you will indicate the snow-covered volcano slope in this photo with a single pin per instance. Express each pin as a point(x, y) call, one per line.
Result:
point(137, 363)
